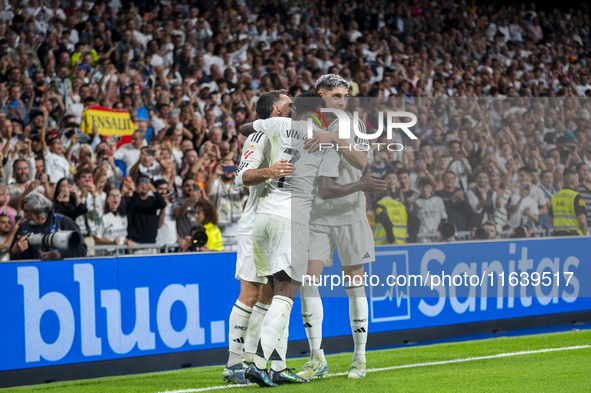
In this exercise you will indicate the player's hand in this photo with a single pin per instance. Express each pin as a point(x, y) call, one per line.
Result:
point(319, 137)
point(372, 185)
point(280, 169)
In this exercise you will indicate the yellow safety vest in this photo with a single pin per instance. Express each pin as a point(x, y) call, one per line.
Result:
point(397, 214)
point(214, 237)
point(563, 210)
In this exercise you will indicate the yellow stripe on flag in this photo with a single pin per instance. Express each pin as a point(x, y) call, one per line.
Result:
point(109, 122)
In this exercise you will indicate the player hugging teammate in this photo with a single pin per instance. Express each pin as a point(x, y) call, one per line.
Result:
point(304, 204)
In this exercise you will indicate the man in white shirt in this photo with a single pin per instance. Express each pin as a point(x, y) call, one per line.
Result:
point(146, 165)
point(56, 165)
point(523, 205)
point(167, 233)
point(130, 152)
point(459, 165)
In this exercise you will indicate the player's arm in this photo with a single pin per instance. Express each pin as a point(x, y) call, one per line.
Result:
point(358, 159)
point(281, 168)
point(247, 129)
point(383, 218)
point(328, 188)
point(581, 212)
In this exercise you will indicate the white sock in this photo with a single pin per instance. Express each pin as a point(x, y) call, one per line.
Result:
point(358, 315)
point(278, 362)
point(272, 328)
point(312, 315)
point(253, 333)
point(238, 324)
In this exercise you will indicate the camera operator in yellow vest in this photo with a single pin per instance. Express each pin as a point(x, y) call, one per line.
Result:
point(389, 221)
point(568, 213)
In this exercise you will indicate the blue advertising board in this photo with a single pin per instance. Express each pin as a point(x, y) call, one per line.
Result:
point(64, 312)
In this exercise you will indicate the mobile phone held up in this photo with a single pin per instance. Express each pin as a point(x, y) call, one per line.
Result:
point(195, 187)
point(229, 169)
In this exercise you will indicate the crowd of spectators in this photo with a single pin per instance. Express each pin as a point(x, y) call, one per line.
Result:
point(499, 92)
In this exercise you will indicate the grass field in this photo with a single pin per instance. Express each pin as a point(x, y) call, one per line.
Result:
point(565, 370)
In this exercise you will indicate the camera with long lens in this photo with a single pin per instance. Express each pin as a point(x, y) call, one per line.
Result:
point(59, 240)
point(448, 230)
point(199, 239)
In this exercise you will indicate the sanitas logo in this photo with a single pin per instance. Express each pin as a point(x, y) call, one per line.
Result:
point(344, 123)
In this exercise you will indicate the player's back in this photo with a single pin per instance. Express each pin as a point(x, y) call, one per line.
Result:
point(290, 196)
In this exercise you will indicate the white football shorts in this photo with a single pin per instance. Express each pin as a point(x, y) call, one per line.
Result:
point(280, 244)
point(245, 267)
point(354, 243)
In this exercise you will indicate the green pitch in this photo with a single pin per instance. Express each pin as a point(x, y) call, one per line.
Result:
point(566, 370)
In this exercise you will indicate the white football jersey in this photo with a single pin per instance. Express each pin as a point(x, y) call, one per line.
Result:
point(348, 209)
point(255, 155)
point(292, 196)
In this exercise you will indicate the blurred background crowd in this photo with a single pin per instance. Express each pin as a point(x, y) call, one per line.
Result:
point(499, 93)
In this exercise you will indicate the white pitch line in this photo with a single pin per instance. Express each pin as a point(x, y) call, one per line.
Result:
point(372, 370)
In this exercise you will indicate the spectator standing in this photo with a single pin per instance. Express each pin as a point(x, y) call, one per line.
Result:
point(226, 196)
point(547, 187)
point(523, 205)
point(66, 200)
point(167, 233)
point(184, 207)
point(142, 203)
point(584, 188)
point(430, 210)
point(459, 165)
point(112, 227)
point(483, 200)
point(129, 153)
point(456, 203)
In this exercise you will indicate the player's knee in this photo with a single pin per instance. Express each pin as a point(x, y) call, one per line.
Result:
point(249, 295)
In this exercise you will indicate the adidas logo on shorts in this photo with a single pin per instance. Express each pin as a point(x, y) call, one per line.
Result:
point(239, 340)
point(366, 255)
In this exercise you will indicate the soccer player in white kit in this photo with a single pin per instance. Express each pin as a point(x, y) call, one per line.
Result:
point(280, 234)
point(339, 224)
point(255, 294)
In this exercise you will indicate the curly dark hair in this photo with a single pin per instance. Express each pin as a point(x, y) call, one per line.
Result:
point(209, 211)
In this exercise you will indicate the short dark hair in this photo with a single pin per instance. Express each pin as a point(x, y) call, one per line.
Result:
point(81, 172)
point(309, 99)
point(402, 171)
point(267, 101)
point(160, 182)
point(448, 173)
point(426, 181)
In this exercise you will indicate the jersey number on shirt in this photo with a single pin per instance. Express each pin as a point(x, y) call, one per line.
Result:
point(295, 156)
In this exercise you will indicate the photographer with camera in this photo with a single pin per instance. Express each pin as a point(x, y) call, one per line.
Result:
point(226, 196)
point(41, 219)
